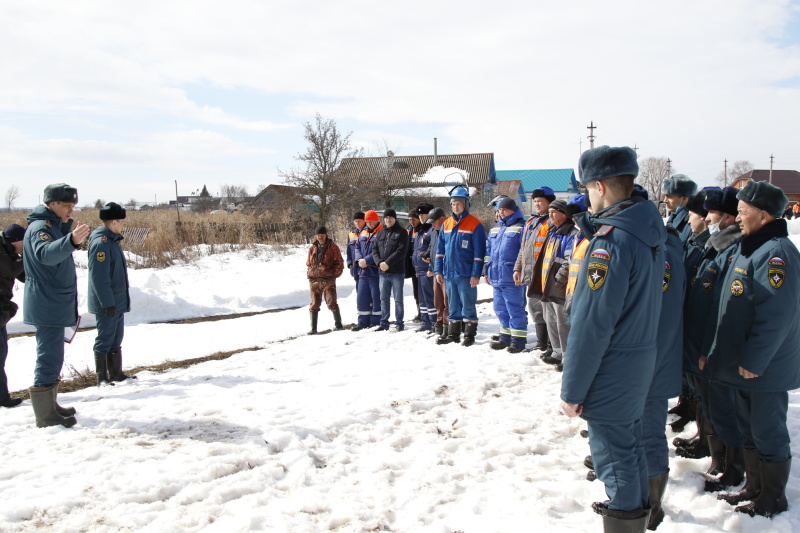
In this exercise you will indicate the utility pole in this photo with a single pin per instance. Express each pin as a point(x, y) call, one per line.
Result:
point(636, 149)
point(580, 146)
point(726, 173)
point(669, 167)
point(771, 159)
point(177, 204)
point(591, 127)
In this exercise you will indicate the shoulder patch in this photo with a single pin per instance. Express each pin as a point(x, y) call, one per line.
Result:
point(665, 284)
point(44, 236)
point(737, 287)
point(601, 253)
point(604, 230)
point(596, 275)
point(777, 261)
point(101, 256)
point(776, 276)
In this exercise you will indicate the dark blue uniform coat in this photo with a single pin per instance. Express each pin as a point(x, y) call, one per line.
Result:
point(108, 273)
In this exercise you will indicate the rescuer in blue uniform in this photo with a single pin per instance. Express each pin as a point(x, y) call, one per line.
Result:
point(51, 295)
point(502, 249)
point(459, 262)
point(755, 348)
point(677, 190)
point(352, 243)
point(109, 298)
point(612, 343)
point(368, 295)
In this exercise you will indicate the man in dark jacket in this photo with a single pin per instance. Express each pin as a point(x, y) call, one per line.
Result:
point(324, 264)
point(389, 253)
point(352, 244)
point(109, 298)
point(677, 190)
point(51, 295)
point(437, 218)
point(613, 338)
point(755, 348)
point(10, 269)
point(420, 260)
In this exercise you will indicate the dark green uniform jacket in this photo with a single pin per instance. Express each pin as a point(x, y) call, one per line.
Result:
point(615, 312)
point(759, 319)
point(51, 286)
point(108, 273)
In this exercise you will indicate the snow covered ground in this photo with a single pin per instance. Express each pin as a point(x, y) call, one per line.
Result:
point(346, 432)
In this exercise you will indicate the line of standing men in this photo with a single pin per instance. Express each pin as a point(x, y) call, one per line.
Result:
point(51, 296)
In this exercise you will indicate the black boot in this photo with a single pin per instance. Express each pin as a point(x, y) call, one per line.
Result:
point(541, 337)
point(453, 334)
point(772, 499)
point(588, 462)
point(314, 319)
point(622, 521)
point(752, 485)
point(678, 425)
point(337, 320)
point(43, 400)
point(101, 368)
point(438, 330)
point(115, 372)
point(685, 406)
point(470, 330)
point(11, 402)
point(733, 473)
point(656, 486)
point(718, 454)
point(685, 418)
point(700, 448)
point(63, 411)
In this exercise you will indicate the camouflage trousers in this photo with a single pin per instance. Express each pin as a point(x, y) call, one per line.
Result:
point(320, 287)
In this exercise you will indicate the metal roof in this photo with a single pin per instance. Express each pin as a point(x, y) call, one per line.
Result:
point(787, 180)
point(559, 179)
point(403, 171)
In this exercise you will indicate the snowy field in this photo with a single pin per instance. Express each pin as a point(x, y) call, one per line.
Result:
point(345, 432)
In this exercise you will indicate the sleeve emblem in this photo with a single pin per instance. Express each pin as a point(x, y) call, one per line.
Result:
point(776, 277)
point(44, 236)
point(707, 285)
point(737, 287)
point(104, 238)
point(101, 256)
point(600, 253)
point(777, 261)
point(596, 275)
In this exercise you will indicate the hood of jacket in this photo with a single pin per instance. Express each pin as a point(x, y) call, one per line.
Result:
point(636, 216)
point(513, 218)
point(42, 212)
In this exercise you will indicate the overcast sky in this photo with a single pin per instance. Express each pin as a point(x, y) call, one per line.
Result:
point(122, 99)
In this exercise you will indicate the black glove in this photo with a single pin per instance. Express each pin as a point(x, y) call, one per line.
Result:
point(110, 311)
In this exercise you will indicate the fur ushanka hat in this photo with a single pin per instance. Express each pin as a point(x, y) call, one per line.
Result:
point(764, 196)
point(679, 185)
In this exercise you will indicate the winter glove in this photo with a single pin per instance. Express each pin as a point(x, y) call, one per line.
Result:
point(110, 311)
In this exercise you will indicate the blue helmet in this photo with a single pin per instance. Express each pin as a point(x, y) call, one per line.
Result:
point(461, 193)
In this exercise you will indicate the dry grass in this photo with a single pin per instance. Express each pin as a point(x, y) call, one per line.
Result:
point(196, 234)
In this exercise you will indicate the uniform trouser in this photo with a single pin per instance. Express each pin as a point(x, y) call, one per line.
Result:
point(49, 355)
point(110, 330)
point(3, 354)
point(509, 306)
point(440, 302)
point(535, 309)
point(461, 300)
point(427, 308)
point(356, 278)
point(323, 287)
point(722, 413)
point(368, 302)
point(654, 437)
point(619, 462)
point(392, 283)
point(415, 289)
point(557, 328)
point(699, 387)
point(761, 417)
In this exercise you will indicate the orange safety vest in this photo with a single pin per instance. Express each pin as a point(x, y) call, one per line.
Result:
point(578, 253)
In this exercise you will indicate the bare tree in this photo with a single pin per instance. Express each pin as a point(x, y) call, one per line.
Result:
point(652, 173)
point(12, 194)
point(319, 181)
point(230, 194)
point(737, 169)
point(131, 203)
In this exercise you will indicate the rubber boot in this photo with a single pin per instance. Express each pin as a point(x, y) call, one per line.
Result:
point(63, 411)
point(453, 334)
point(623, 521)
point(680, 442)
point(314, 319)
point(772, 499)
point(684, 406)
point(700, 449)
point(678, 425)
point(438, 330)
point(656, 486)
point(588, 462)
point(337, 321)
point(541, 337)
point(502, 342)
point(733, 473)
point(718, 455)
point(115, 372)
point(752, 485)
point(101, 368)
point(470, 330)
point(43, 400)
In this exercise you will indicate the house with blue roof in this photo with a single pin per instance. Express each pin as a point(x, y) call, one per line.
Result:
point(561, 180)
